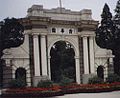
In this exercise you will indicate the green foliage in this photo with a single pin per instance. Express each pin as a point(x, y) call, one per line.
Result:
point(95, 80)
point(45, 83)
point(108, 33)
point(105, 33)
point(117, 15)
point(117, 9)
point(113, 78)
point(65, 81)
point(17, 83)
point(11, 35)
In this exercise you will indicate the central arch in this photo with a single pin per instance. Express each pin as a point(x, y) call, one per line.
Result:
point(75, 45)
point(62, 62)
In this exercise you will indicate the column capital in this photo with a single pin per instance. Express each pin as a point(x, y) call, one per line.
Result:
point(91, 37)
point(76, 57)
point(43, 34)
point(35, 35)
point(85, 37)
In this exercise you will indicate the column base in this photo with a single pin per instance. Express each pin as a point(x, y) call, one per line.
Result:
point(37, 79)
point(0, 91)
point(85, 78)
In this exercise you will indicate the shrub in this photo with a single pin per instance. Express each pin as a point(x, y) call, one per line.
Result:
point(65, 81)
point(45, 83)
point(95, 80)
point(17, 83)
point(113, 78)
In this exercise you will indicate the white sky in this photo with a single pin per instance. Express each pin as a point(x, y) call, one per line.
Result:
point(18, 8)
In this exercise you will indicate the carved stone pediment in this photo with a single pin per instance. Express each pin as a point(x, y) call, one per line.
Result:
point(7, 51)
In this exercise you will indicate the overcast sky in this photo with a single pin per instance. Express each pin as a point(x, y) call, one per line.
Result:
point(18, 8)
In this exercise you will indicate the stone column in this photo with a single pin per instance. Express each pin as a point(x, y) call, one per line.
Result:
point(85, 55)
point(92, 59)
point(105, 72)
point(111, 66)
point(36, 55)
point(7, 61)
point(77, 70)
point(49, 69)
point(43, 55)
point(111, 60)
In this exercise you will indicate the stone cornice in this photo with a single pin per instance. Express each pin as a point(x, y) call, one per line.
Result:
point(44, 22)
point(87, 25)
point(62, 22)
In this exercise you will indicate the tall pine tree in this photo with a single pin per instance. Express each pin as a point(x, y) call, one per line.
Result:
point(108, 34)
point(105, 32)
point(116, 50)
point(117, 15)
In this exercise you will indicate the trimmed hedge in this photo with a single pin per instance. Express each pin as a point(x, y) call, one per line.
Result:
point(95, 80)
point(17, 83)
point(113, 78)
point(45, 83)
point(58, 91)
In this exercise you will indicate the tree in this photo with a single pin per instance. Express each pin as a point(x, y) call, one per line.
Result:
point(105, 32)
point(117, 16)
point(108, 35)
point(11, 35)
point(116, 50)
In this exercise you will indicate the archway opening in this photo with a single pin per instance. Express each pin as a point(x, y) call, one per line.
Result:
point(100, 72)
point(20, 74)
point(62, 62)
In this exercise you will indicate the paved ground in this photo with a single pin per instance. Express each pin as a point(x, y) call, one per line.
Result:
point(115, 94)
